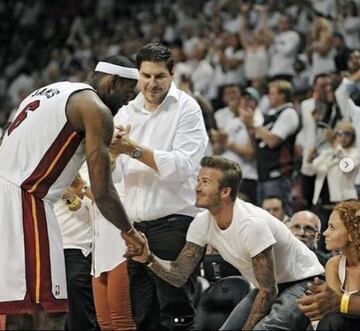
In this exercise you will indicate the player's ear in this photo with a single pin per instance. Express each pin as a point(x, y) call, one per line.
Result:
point(115, 81)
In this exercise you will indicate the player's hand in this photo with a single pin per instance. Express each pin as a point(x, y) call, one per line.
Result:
point(139, 258)
point(135, 241)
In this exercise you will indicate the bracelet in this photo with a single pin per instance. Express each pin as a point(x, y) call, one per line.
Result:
point(74, 203)
point(150, 260)
point(344, 303)
point(131, 230)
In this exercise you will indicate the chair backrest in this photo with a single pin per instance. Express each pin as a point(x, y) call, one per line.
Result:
point(218, 301)
point(215, 267)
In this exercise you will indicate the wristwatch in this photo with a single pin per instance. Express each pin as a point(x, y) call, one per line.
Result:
point(136, 153)
point(150, 260)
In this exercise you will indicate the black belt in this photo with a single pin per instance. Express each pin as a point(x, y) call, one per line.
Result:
point(163, 220)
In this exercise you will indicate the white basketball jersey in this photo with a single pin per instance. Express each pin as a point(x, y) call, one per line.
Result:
point(41, 152)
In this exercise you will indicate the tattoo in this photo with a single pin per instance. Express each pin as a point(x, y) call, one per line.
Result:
point(178, 272)
point(107, 125)
point(97, 155)
point(263, 265)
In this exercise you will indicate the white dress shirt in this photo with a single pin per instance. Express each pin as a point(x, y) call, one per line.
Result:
point(176, 133)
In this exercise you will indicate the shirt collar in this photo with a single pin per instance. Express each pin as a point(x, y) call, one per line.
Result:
point(173, 93)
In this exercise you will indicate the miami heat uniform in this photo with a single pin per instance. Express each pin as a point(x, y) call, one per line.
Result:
point(39, 157)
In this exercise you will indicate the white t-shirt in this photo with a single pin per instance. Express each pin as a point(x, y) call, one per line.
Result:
point(253, 230)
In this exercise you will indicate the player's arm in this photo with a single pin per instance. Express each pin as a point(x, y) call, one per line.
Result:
point(174, 272)
point(89, 115)
point(263, 265)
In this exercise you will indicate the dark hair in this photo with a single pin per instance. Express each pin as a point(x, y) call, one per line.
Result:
point(232, 174)
point(319, 76)
point(155, 52)
point(273, 196)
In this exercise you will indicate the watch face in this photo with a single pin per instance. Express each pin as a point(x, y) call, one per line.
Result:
point(136, 152)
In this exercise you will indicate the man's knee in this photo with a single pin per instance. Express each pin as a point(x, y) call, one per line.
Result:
point(331, 322)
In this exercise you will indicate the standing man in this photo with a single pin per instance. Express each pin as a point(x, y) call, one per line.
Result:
point(256, 243)
point(159, 159)
point(275, 140)
point(55, 127)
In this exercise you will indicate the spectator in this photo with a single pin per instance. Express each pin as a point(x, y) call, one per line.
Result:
point(283, 51)
point(235, 143)
point(75, 216)
point(321, 49)
point(336, 303)
point(253, 241)
point(347, 96)
point(306, 226)
point(332, 185)
point(158, 161)
point(275, 206)
point(275, 141)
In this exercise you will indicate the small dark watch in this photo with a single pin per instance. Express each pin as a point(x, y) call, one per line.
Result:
point(136, 153)
point(150, 259)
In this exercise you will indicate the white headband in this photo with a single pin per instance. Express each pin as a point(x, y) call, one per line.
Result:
point(114, 69)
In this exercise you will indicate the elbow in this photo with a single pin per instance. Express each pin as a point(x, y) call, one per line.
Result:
point(179, 282)
point(270, 293)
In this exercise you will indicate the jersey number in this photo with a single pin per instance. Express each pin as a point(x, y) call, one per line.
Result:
point(32, 106)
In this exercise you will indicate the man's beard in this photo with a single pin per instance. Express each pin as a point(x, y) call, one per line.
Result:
point(113, 102)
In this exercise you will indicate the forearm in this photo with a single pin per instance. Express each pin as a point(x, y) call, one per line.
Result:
point(147, 158)
point(178, 272)
point(171, 271)
point(105, 194)
point(261, 306)
point(112, 209)
point(270, 139)
point(246, 151)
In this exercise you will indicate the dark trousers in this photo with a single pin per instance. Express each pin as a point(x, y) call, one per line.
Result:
point(157, 305)
point(339, 322)
point(81, 314)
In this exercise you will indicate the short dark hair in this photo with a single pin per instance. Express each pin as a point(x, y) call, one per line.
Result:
point(232, 174)
point(155, 52)
point(319, 76)
point(273, 196)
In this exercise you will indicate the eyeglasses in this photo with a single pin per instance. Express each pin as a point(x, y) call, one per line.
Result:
point(307, 229)
point(344, 133)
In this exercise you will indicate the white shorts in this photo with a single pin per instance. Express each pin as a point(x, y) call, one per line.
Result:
point(31, 254)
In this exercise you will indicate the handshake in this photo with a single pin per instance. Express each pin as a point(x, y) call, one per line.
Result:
point(137, 245)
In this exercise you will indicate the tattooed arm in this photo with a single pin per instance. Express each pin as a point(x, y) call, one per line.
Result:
point(174, 272)
point(89, 115)
point(263, 265)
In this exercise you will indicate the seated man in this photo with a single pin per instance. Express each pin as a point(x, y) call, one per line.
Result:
point(256, 243)
point(306, 226)
point(275, 206)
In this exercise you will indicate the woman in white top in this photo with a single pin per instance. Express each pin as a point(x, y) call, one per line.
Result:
point(321, 47)
point(343, 271)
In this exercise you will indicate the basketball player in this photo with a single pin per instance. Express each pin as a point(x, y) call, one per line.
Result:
point(54, 128)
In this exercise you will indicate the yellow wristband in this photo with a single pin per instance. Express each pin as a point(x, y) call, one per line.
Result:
point(344, 303)
point(75, 203)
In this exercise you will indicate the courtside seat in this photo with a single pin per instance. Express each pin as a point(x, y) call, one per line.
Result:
point(218, 301)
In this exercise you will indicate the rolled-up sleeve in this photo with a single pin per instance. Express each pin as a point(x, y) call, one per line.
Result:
point(188, 148)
